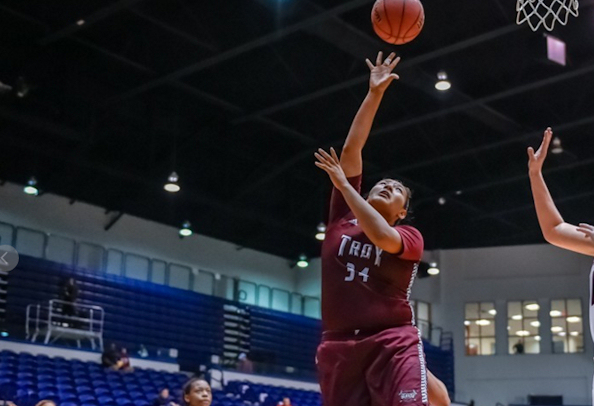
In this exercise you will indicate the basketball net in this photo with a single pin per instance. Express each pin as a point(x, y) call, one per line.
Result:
point(545, 12)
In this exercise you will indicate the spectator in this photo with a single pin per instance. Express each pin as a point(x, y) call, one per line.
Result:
point(519, 347)
point(197, 392)
point(125, 361)
point(286, 402)
point(244, 364)
point(164, 399)
point(143, 352)
point(110, 358)
point(69, 293)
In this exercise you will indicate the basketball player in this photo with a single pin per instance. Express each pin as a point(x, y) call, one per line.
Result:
point(578, 239)
point(197, 392)
point(371, 353)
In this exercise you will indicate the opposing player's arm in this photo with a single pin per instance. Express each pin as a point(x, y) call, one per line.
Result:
point(555, 230)
point(437, 391)
point(380, 78)
point(375, 227)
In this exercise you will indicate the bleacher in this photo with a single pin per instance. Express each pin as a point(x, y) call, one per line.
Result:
point(158, 316)
point(26, 379)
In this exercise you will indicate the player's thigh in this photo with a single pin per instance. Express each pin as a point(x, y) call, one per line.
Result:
point(398, 377)
point(341, 375)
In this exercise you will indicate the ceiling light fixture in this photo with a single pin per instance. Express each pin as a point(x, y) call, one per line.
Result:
point(433, 269)
point(302, 263)
point(186, 229)
point(172, 185)
point(557, 148)
point(442, 83)
point(31, 188)
point(321, 234)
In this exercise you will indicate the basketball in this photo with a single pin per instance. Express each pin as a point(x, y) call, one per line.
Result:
point(397, 21)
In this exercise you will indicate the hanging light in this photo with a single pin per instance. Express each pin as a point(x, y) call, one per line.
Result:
point(302, 263)
point(442, 81)
point(321, 234)
point(186, 229)
point(433, 269)
point(557, 148)
point(532, 306)
point(31, 188)
point(171, 185)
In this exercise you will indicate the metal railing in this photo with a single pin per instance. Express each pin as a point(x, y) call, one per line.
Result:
point(84, 322)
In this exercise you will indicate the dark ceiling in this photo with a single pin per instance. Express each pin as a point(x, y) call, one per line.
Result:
point(236, 95)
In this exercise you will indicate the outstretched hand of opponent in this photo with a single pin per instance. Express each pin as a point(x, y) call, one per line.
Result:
point(536, 159)
point(381, 73)
point(331, 165)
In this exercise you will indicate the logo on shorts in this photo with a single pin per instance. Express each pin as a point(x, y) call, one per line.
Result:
point(407, 396)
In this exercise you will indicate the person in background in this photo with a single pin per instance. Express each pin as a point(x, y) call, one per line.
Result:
point(197, 392)
point(244, 364)
point(110, 358)
point(125, 361)
point(164, 399)
point(69, 293)
point(519, 347)
point(285, 402)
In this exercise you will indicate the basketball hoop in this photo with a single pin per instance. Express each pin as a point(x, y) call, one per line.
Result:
point(545, 12)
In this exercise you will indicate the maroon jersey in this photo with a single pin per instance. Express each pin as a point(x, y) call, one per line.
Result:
point(364, 287)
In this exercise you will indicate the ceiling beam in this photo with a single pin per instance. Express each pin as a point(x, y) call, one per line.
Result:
point(403, 66)
point(89, 20)
point(166, 27)
point(244, 48)
point(278, 170)
point(197, 197)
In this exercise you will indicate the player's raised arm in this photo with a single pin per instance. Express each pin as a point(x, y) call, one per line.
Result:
point(554, 229)
point(374, 225)
point(380, 78)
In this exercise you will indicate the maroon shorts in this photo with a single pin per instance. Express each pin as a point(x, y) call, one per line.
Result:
point(380, 369)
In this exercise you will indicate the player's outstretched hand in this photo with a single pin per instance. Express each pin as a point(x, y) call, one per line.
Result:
point(588, 231)
point(536, 159)
point(331, 164)
point(381, 73)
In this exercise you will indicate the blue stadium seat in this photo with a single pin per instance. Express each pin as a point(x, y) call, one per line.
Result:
point(105, 400)
point(102, 391)
point(87, 398)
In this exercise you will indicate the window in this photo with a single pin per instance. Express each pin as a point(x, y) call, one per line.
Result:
point(567, 327)
point(423, 317)
point(479, 327)
point(523, 327)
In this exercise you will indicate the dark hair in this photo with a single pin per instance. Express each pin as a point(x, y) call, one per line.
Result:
point(188, 387)
point(409, 194)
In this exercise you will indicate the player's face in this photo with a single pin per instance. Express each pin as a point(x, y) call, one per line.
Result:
point(200, 394)
point(389, 197)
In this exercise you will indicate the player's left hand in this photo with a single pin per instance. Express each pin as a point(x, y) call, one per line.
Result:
point(381, 73)
point(331, 164)
point(588, 230)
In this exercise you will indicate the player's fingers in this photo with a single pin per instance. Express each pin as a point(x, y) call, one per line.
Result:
point(546, 140)
point(587, 233)
point(334, 155)
point(320, 158)
point(325, 154)
point(394, 76)
point(587, 226)
point(531, 153)
point(389, 59)
point(321, 166)
point(394, 63)
point(369, 64)
point(378, 60)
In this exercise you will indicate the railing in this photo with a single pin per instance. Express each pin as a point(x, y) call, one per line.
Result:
point(97, 258)
point(51, 321)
